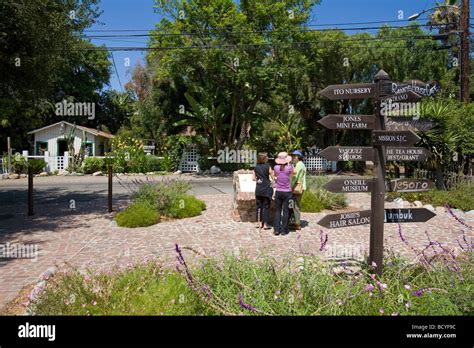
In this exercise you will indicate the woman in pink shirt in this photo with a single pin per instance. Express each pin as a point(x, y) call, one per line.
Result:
point(283, 172)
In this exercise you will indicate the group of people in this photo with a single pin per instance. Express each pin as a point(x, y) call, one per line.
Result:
point(285, 183)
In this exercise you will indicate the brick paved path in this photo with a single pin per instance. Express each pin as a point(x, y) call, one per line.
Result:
point(91, 238)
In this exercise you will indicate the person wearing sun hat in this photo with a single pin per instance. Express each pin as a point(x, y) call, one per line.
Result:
point(298, 186)
point(283, 171)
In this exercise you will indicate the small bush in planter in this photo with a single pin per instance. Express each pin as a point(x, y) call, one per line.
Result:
point(310, 203)
point(37, 165)
point(152, 163)
point(93, 164)
point(137, 215)
point(186, 206)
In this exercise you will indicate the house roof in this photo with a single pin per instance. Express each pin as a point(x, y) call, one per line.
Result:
point(85, 129)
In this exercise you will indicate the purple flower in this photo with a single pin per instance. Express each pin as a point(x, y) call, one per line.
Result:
point(421, 291)
point(369, 287)
point(245, 305)
point(400, 234)
point(407, 286)
point(458, 219)
point(323, 240)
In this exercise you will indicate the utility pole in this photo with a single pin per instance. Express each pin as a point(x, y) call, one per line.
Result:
point(465, 57)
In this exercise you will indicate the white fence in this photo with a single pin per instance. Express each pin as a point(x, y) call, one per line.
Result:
point(53, 163)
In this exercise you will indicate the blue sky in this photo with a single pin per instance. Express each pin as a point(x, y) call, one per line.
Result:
point(139, 15)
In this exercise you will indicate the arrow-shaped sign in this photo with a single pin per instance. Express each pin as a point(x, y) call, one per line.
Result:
point(348, 153)
point(419, 87)
point(409, 185)
point(408, 215)
point(408, 123)
point(406, 97)
point(348, 121)
point(395, 138)
point(356, 218)
point(407, 154)
point(349, 185)
point(353, 218)
point(349, 91)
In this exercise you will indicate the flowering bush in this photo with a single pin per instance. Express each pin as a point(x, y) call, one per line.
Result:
point(93, 164)
point(128, 155)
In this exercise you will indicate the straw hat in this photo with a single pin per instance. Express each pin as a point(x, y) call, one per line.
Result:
point(283, 158)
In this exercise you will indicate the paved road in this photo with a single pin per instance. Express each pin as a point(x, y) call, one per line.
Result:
point(56, 189)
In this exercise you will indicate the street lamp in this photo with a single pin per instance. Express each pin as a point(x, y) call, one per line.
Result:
point(416, 15)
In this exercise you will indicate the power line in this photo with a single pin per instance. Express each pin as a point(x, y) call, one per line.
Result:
point(226, 46)
point(301, 30)
point(116, 72)
point(308, 25)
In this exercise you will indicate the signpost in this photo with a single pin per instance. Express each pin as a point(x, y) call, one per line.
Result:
point(392, 141)
point(348, 121)
point(353, 91)
point(408, 123)
point(348, 219)
point(407, 154)
point(395, 138)
point(348, 153)
point(409, 185)
point(349, 185)
point(356, 218)
point(408, 215)
point(407, 97)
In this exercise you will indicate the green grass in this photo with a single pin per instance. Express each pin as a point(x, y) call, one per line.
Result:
point(316, 198)
point(460, 197)
point(186, 206)
point(143, 289)
point(137, 215)
point(242, 286)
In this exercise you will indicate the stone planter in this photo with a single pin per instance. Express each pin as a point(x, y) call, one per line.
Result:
point(244, 204)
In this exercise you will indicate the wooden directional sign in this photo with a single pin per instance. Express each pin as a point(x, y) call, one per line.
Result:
point(348, 153)
point(419, 87)
point(352, 91)
point(348, 121)
point(394, 138)
point(353, 218)
point(407, 154)
point(350, 185)
point(407, 97)
point(408, 123)
point(408, 215)
point(409, 185)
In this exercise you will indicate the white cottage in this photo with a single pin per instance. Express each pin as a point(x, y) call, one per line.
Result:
point(50, 142)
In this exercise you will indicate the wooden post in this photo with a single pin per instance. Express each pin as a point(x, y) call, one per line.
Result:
point(30, 191)
point(9, 151)
point(465, 61)
point(378, 193)
point(110, 188)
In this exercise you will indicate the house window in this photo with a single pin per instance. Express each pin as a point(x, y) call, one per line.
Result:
point(89, 148)
point(41, 148)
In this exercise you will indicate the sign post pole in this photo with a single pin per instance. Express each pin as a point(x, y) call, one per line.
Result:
point(109, 196)
point(378, 192)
